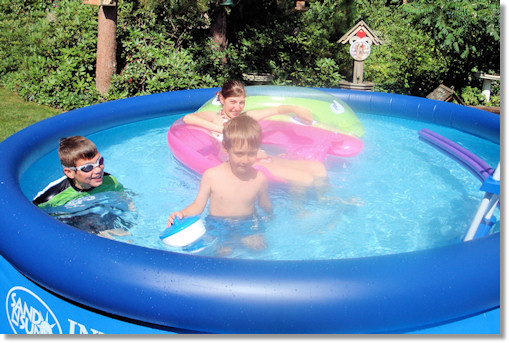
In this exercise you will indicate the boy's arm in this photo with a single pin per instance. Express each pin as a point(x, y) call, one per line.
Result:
point(199, 202)
point(263, 196)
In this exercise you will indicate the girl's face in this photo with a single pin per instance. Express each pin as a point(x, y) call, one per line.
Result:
point(233, 105)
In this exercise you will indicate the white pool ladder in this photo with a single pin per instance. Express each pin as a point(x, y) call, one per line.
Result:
point(491, 187)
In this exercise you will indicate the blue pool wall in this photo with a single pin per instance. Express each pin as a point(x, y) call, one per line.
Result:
point(463, 118)
point(393, 293)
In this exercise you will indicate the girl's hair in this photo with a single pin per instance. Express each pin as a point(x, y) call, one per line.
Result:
point(242, 130)
point(74, 148)
point(232, 88)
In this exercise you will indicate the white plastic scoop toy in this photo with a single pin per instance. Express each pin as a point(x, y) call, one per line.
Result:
point(183, 231)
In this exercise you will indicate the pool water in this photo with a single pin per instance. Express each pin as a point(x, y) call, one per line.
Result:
point(398, 195)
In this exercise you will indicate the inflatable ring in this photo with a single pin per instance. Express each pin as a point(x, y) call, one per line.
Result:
point(329, 112)
point(198, 150)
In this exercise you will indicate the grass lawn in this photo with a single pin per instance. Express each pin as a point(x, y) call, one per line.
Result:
point(16, 114)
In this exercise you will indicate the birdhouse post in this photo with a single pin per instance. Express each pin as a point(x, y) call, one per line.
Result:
point(361, 38)
point(486, 85)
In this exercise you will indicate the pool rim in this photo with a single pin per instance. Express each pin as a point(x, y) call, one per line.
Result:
point(370, 295)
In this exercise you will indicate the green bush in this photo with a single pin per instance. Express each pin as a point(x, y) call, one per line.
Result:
point(151, 57)
point(473, 96)
point(398, 66)
point(154, 67)
point(295, 47)
point(406, 62)
point(48, 48)
point(495, 94)
point(50, 53)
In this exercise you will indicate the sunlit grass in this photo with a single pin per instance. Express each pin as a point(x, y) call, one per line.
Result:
point(16, 114)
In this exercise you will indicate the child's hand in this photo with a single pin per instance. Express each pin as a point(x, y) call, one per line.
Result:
point(172, 217)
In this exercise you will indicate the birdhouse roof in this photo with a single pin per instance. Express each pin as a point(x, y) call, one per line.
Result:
point(361, 28)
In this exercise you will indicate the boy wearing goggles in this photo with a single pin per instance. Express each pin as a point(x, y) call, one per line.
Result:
point(83, 167)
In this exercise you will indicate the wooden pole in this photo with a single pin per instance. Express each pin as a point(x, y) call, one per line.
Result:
point(358, 72)
point(106, 64)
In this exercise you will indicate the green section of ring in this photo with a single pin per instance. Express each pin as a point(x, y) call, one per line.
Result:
point(329, 112)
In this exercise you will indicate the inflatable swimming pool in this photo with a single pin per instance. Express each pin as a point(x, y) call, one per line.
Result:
point(198, 150)
point(165, 290)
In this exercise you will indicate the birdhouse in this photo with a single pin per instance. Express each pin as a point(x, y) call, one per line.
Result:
point(444, 93)
point(100, 2)
point(361, 38)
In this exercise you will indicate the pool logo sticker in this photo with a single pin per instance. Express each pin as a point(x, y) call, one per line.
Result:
point(28, 314)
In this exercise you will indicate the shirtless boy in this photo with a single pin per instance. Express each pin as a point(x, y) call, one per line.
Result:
point(234, 186)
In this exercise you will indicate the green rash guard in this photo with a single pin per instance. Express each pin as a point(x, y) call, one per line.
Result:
point(63, 190)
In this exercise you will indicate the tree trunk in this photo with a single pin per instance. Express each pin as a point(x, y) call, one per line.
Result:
point(218, 30)
point(106, 64)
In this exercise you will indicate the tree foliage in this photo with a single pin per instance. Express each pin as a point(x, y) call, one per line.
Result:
point(406, 62)
point(47, 48)
point(47, 52)
point(466, 33)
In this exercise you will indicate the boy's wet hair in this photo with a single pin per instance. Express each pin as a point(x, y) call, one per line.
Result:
point(232, 88)
point(242, 130)
point(71, 149)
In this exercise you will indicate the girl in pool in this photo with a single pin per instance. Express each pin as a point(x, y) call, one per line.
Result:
point(232, 97)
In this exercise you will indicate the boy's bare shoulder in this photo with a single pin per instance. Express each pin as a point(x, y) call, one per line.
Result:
point(215, 171)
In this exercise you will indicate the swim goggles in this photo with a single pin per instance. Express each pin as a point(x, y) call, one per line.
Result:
point(87, 168)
